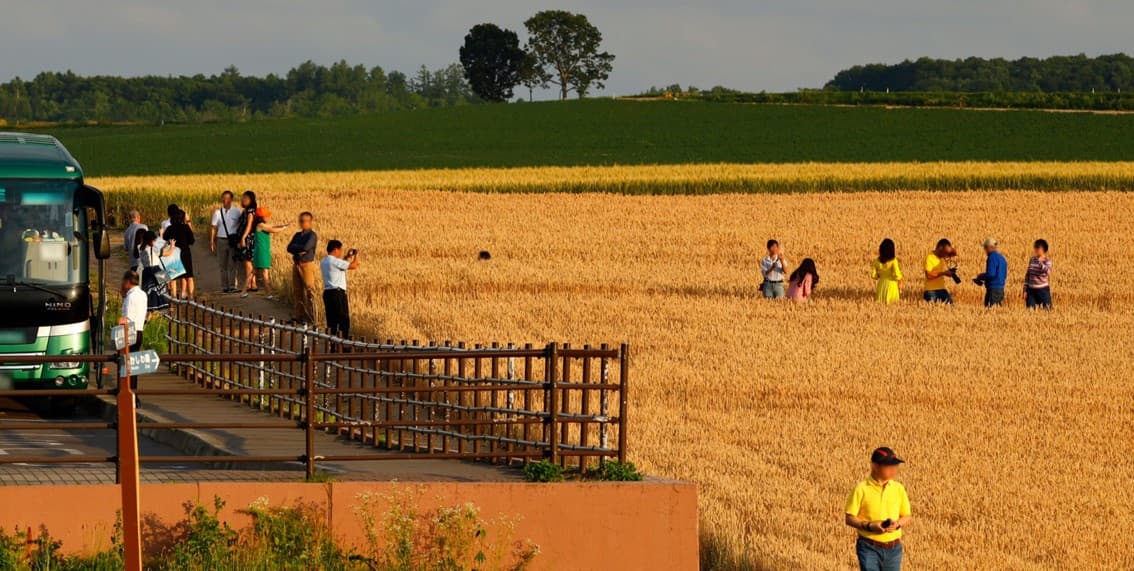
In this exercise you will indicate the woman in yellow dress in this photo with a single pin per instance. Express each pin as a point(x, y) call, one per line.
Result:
point(887, 273)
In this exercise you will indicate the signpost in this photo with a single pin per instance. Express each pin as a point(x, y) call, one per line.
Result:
point(129, 477)
point(124, 336)
point(140, 363)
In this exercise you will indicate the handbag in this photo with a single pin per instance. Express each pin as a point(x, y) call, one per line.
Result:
point(233, 241)
point(172, 266)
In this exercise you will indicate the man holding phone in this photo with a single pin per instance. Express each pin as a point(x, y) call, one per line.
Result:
point(335, 304)
point(879, 508)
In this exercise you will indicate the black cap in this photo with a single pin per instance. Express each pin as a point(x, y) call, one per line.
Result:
point(885, 457)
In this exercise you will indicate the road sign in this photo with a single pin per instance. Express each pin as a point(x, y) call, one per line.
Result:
point(141, 363)
point(119, 334)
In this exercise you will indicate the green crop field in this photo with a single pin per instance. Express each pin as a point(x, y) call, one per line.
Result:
point(602, 132)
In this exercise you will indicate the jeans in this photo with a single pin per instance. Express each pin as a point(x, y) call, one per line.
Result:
point(227, 264)
point(938, 295)
point(337, 308)
point(772, 290)
point(874, 558)
point(993, 296)
point(1040, 298)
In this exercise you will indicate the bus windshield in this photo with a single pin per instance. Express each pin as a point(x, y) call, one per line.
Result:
point(42, 234)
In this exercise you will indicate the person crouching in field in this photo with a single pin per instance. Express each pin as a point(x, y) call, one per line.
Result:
point(879, 508)
point(773, 268)
point(936, 270)
point(803, 281)
point(887, 273)
point(995, 274)
point(335, 304)
point(1037, 284)
point(262, 253)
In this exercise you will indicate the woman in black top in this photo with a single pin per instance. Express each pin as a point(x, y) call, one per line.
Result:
point(247, 245)
point(180, 232)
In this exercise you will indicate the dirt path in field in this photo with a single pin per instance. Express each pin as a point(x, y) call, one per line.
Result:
point(206, 272)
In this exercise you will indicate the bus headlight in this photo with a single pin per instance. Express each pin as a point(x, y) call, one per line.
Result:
point(66, 364)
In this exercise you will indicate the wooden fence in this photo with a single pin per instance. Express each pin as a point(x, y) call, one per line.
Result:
point(499, 403)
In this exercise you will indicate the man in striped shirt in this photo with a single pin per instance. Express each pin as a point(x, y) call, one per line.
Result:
point(1037, 284)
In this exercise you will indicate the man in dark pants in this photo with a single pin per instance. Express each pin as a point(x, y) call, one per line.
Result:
point(134, 307)
point(879, 508)
point(995, 274)
point(335, 304)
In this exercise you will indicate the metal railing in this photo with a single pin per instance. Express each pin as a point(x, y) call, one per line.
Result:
point(497, 403)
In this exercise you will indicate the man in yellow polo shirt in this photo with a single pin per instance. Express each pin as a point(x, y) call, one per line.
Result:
point(937, 268)
point(879, 508)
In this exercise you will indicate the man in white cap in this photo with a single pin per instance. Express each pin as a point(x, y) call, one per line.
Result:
point(995, 274)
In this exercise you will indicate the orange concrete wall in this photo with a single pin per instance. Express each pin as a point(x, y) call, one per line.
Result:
point(593, 526)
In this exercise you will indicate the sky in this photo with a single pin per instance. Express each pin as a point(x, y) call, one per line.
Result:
point(753, 45)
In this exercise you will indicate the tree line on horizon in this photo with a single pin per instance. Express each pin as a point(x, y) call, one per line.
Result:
point(1057, 74)
point(307, 90)
point(562, 51)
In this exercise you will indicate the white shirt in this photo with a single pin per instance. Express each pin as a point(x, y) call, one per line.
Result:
point(334, 272)
point(134, 305)
point(231, 221)
point(150, 257)
point(773, 269)
point(164, 224)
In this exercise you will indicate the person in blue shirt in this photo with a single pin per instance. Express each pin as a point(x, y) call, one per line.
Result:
point(995, 274)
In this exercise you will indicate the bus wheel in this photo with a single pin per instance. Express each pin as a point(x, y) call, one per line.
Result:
point(63, 407)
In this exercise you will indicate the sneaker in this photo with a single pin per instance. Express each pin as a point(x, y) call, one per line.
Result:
point(243, 295)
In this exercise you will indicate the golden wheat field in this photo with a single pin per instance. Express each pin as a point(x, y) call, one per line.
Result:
point(1018, 427)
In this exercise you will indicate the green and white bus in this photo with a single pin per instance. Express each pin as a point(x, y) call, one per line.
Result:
point(49, 224)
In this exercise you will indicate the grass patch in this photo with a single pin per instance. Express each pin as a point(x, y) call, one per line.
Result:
point(601, 132)
point(402, 537)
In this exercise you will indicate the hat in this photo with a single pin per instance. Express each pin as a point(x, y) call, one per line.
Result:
point(885, 456)
point(990, 242)
point(263, 212)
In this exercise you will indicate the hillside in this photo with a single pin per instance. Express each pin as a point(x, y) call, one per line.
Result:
point(602, 132)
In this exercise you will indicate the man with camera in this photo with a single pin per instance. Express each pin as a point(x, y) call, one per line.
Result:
point(995, 274)
point(938, 266)
point(335, 304)
point(879, 508)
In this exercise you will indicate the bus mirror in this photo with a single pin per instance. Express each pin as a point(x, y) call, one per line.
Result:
point(102, 244)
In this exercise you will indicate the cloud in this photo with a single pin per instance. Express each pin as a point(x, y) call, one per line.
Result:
point(753, 45)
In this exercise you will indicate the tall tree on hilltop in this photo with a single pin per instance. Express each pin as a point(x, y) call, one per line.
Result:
point(533, 75)
point(492, 59)
point(568, 44)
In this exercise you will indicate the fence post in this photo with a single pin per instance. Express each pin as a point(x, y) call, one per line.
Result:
point(262, 346)
point(604, 398)
point(623, 400)
point(129, 477)
point(552, 401)
point(309, 417)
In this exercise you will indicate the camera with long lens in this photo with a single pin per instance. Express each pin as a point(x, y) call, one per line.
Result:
point(951, 261)
point(952, 272)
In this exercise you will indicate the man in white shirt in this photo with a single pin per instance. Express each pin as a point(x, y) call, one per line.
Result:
point(335, 305)
point(774, 269)
point(226, 222)
point(134, 303)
